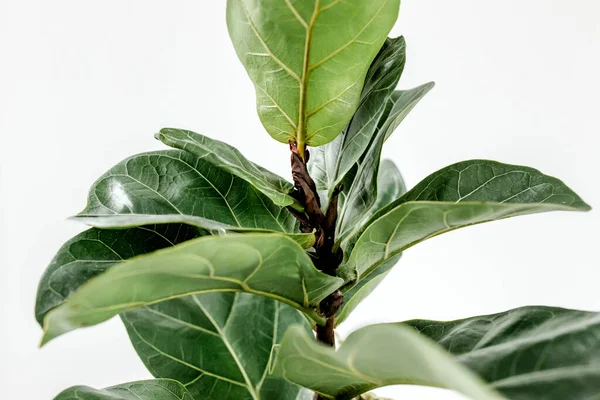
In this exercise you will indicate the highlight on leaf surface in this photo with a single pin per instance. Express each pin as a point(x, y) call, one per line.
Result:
point(176, 182)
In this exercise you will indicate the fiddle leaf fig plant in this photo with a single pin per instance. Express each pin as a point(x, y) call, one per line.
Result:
point(231, 280)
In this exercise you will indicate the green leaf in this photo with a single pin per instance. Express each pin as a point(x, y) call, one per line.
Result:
point(176, 182)
point(363, 192)
point(330, 163)
point(94, 251)
point(527, 353)
point(271, 265)
point(463, 194)
point(371, 357)
point(308, 60)
point(159, 332)
point(229, 159)
point(158, 389)
point(219, 344)
point(355, 294)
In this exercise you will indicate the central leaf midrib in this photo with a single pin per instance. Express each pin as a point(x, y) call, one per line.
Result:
point(301, 132)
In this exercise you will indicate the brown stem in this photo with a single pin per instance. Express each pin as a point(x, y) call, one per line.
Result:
point(323, 224)
point(325, 334)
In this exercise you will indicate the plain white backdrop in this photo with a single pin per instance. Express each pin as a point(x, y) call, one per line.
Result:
point(84, 84)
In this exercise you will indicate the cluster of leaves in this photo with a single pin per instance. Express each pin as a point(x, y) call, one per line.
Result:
point(199, 252)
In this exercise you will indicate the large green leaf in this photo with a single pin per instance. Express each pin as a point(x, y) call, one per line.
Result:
point(330, 163)
point(374, 356)
point(462, 194)
point(159, 332)
point(363, 192)
point(94, 251)
point(175, 182)
point(271, 265)
point(229, 159)
point(159, 389)
point(308, 60)
point(218, 344)
point(527, 353)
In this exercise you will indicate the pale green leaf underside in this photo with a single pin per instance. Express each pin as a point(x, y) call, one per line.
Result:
point(467, 193)
point(372, 357)
point(159, 389)
point(174, 182)
point(527, 353)
point(271, 265)
point(308, 60)
point(219, 345)
point(229, 159)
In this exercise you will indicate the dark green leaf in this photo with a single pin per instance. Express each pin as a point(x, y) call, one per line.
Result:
point(271, 265)
point(229, 159)
point(527, 353)
point(219, 344)
point(94, 251)
point(159, 389)
point(462, 194)
point(330, 163)
point(374, 356)
point(308, 60)
point(176, 182)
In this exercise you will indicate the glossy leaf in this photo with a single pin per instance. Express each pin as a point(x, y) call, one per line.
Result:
point(219, 344)
point(330, 163)
point(159, 389)
point(308, 60)
point(271, 265)
point(374, 356)
point(462, 194)
point(176, 182)
point(527, 353)
point(390, 187)
point(363, 193)
point(94, 251)
point(229, 159)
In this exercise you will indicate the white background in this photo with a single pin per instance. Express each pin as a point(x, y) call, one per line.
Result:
point(84, 84)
